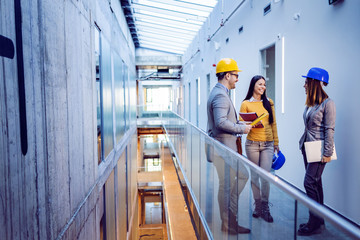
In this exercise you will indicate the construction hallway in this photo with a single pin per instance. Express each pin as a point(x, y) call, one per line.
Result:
point(104, 118)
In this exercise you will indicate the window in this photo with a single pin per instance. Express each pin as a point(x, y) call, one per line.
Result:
point(197, 100)
point(268, 70)
point(189, 116)
point(119, 93)
point(107, 131)
point(98, 92)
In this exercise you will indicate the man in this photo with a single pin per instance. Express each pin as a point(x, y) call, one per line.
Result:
point(224, 126)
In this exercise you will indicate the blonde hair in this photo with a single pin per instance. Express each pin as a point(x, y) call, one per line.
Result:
point(315, 94)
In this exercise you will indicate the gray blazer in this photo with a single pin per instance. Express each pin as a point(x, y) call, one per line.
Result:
point(223, 123)
point(320, 125)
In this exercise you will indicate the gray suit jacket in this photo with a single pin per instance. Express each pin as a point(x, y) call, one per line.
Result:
point(223, 123)
point(320, 125)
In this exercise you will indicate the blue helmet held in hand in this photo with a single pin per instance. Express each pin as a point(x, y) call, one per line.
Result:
point(278, 161)
point(318, 74)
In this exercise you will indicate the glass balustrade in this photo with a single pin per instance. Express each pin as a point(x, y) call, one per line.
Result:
point(216, 181)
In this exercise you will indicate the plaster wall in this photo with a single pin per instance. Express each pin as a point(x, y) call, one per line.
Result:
point(314, 34)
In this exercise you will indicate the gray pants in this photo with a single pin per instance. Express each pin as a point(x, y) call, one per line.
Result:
point(261, 154)
point(231, 183)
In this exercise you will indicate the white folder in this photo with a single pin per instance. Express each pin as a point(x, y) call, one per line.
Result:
point(314, 151)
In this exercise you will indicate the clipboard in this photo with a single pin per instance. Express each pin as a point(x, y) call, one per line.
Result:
point(314, 151)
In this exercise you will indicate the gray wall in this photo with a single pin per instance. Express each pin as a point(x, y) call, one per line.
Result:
point(322, 35)
point(55, 190)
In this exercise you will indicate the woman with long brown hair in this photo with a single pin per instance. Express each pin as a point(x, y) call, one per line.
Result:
point(319, 119)
point(261, 143)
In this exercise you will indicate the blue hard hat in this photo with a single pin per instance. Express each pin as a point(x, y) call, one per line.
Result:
point(318, 74)
point(278, 161)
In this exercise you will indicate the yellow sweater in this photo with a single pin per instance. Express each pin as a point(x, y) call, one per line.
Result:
point(269, 131)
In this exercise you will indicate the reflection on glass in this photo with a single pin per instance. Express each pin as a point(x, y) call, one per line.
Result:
point(98, 91)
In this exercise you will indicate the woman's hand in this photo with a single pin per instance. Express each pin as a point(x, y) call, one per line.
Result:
point(248, 128)
point(326, 159)
point(277, 149)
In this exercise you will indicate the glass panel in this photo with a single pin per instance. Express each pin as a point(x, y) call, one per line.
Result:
point(133, 98)
point(106, 80)
point(98, 92)
point(179, 31)
point(126, 96)
point(207, 196)
point(187, 16)
point(176, 40)
point(179, 12)
point(327, 231)
point(119, 97)
point(161, 48)
point(188, 143)
point(175, 6)
point(110, 206)
point(282, 209)
point(195, 163)
point(184, 26)
point(121, 197)
point(165, 17)
point(219, 182)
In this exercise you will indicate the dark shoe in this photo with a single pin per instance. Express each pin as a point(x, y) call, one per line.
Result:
point(242, 230)
point(308, 230)
point(322, 225)
point(257, 210)
point(228, 229)
point(231, 230)
point(265, 213)
point(233, 225)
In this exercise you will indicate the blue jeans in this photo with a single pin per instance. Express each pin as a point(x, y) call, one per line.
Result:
point(261, 154)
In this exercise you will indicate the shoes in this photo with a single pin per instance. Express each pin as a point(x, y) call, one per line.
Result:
point(262, 210)
point(308, 230)
point(257, 210)
point(322, 225)
point(226, 228)
point(265, 212)
point(242, 230)
point(234, 230)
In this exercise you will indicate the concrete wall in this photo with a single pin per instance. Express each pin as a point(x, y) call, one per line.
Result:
point(55, 190)
point(314, 33)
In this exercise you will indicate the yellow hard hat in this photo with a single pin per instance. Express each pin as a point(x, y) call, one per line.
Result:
point(227, 65)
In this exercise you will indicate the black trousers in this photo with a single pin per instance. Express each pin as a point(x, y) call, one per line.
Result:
point(313, 186)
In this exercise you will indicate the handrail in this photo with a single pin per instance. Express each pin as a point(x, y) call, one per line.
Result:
point(201, 216)
point(346, 226)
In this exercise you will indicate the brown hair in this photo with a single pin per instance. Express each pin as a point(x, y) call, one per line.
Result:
point(315, 94)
